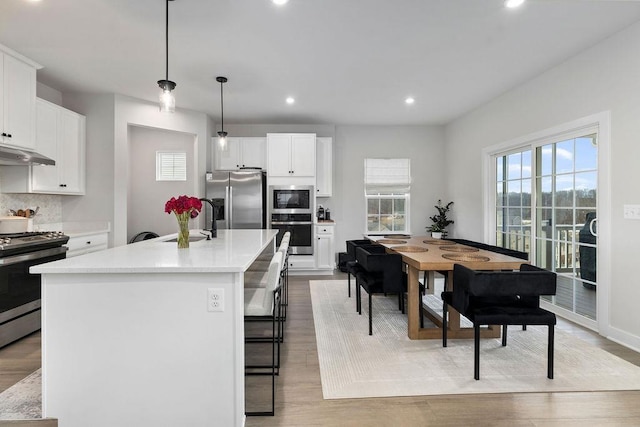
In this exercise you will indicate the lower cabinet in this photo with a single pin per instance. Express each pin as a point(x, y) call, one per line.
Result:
point(324, 250)
point(87, 243)
point(301, 262)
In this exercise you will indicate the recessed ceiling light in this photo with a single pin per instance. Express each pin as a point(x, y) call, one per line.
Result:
point(409, 100)
point(513, 3)
point(279, 2)
point(290, 100)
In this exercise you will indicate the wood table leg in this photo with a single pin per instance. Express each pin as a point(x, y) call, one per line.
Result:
point(413, 293)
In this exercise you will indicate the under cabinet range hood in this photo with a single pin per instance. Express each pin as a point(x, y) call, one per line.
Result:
point(15, 156)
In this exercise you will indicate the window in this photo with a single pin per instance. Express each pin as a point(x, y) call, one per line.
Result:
point(546, 204)
point(513, 200)
point(171, 166)
point(387, 184)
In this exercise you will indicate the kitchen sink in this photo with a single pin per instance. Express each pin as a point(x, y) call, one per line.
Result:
point(194, 238)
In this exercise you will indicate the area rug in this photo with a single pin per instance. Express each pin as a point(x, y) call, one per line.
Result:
point(356, 365)
point(23, 400)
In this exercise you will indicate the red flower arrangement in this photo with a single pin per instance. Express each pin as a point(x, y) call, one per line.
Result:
point(182, 205)
point(185, 208)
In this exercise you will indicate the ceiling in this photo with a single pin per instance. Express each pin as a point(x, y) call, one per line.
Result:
point(344, 61)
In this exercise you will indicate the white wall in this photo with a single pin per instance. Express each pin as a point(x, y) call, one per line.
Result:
point(424, 145)
point(97, 204)
point(131, 111)
point(147, 196)
point(603, 78)
point(108, 121)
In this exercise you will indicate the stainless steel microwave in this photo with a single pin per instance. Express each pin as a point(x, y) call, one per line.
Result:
point(291, 199)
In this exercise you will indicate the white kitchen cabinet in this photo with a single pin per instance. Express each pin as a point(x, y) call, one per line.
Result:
point(66, 147)
point(291, 155)
point(324, 250)
point(60, 135)
point(324, 166)
point(17, 101)
point(80, 245)
point(240, 152)
point(301, 262)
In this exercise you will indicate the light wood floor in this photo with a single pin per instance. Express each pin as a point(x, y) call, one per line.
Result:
point(299, 399)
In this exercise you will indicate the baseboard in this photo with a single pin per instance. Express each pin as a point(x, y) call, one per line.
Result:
point(624, 338)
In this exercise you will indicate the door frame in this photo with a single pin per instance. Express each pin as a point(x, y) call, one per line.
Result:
point(602, 121)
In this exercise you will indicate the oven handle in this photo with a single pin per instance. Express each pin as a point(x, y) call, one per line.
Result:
point(15, 259)
point(292, 223)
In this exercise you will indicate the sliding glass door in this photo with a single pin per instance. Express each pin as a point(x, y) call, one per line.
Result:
point(546, 205)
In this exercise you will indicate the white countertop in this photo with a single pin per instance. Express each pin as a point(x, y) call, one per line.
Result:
point(231, 251)
point(76, 228)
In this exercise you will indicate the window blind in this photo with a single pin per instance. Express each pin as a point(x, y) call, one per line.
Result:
point(171, 166)
point(387, 176)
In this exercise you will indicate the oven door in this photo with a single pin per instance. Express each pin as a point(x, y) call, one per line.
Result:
point(301, 240)
point(293, 199)
point(20, 292)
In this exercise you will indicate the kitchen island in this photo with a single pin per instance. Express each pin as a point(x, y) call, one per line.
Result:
point(129, 338)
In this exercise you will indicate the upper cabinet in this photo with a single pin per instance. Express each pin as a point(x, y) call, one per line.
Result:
point(324, 166)
point(240, 153)
point(291, 154)
point(60, 135)
point(17, 101)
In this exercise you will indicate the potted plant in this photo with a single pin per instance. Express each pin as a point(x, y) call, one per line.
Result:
point(440, 221)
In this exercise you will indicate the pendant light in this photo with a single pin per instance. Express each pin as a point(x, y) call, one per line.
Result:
point(167, 100)
point(222, 135)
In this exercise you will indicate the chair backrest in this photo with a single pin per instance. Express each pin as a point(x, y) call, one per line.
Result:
point(473, 288)
point(273, 279)
point(375, 260)
point(286, 237)
point(352, 245)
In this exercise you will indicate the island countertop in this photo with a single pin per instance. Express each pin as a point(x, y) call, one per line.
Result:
point(231, 251)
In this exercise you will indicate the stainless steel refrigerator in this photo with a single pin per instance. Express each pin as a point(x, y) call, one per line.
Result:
point(242, 197)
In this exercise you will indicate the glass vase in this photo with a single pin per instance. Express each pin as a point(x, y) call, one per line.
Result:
point(183, 231)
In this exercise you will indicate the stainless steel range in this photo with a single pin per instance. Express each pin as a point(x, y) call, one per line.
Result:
point(20, 290)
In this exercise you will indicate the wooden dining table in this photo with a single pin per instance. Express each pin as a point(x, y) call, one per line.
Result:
point(423, 253)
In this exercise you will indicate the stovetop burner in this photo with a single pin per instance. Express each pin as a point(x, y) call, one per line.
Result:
point(30, 240)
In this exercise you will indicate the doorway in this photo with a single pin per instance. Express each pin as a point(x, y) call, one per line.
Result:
point(147, 195)
point(543, 199)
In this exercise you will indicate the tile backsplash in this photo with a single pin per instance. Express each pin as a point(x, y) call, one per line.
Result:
point(50, 206)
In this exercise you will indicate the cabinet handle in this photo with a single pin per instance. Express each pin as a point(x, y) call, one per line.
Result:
point(89, 242)
point(9, 135)
point(4, 134)
point(62, 185)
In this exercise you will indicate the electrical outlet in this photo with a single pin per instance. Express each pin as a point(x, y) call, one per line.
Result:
point(215, 299)
point(631, 211)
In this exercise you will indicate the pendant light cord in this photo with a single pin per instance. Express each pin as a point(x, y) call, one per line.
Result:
point(222, 106)
point(166, 44)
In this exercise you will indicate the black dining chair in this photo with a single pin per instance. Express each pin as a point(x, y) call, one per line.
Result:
point(380, 272)
point(501, 298)
point(351, 263)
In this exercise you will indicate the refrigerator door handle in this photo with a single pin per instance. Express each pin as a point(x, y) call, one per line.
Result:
point(230, 206)
point(227, 208)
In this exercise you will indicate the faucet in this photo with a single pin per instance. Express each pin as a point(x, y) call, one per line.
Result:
point(214, 215)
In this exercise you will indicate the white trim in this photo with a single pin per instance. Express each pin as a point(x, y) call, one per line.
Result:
point(602, 121)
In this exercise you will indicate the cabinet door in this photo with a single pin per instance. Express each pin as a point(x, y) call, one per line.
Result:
point(45, 178)
point(229, 158)
point(303, 155)
point(253, 152)
point(71, 152)
point(324, 245)
point(324, 161)
point(279, 155)
point(19, 91)
point(2, 98)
